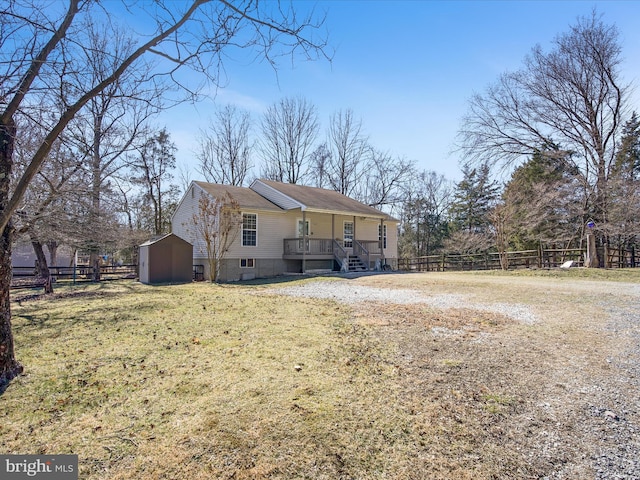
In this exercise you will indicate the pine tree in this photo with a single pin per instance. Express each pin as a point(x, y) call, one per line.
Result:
point(627, 161)
point(474, 197)
point(546, 202)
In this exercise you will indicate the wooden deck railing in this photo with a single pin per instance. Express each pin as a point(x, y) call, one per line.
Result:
point(340, 254)
point(311, 246)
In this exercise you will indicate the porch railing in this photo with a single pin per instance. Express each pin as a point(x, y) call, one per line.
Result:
point(371, 246)
point(313, 246)
point(360, 251)
point(327, 248)
point(340, 254)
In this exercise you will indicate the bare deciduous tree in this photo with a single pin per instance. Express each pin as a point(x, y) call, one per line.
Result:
point(112, 122)
point(225, 148)
point(44, 47)
point(424, 214)
point(386, 181)
point(42, 216)
point(289, 129)
point(568, 102)
point(350, 152)
point(217, 224)
point(320, 159)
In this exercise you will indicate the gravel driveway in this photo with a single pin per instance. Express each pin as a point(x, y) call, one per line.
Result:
point(588, 427)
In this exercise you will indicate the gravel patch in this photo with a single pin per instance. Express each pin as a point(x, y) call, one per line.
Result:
point(618, 455)
point(349, 293)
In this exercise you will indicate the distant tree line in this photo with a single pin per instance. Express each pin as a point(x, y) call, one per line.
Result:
point(561, 131)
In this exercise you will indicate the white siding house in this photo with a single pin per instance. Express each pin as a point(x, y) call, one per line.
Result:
point(292, 229)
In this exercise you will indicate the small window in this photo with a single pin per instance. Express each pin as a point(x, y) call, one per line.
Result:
point(247, 263)
point(249, 230)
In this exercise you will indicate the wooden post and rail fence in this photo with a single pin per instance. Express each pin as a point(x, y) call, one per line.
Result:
point(542, 258)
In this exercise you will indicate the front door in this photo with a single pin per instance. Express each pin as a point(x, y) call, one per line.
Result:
point(347, 236)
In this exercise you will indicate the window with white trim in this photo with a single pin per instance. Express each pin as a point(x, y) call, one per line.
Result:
point(249, 230)
point(347, 235)
point(247, 263)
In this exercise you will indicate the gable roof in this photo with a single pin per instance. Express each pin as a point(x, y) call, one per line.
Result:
point(247, 198)
point(275, 196)
point(170, 236)
point(313, 199)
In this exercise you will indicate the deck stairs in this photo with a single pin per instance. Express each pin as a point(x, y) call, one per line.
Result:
point(355, 264)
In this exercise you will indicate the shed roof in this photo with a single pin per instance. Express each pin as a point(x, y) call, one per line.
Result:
point(154, 240)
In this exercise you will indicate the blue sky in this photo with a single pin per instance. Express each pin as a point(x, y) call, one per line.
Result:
point(407, 69)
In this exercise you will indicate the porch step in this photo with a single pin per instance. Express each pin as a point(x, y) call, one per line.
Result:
point(355, 264)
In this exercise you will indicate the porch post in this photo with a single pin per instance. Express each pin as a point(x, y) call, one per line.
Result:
point(304, 241)
point(333, 227)
point(381, 244)
point(355, 229)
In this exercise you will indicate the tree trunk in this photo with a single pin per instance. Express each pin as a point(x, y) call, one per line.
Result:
point(95, 264)
point(591, 257)
point(9, 367)
point(52, 246)
point(42, 269)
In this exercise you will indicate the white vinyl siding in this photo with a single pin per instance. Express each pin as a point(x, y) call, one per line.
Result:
point(273, 228)
point(275, 196)
point(182, 220)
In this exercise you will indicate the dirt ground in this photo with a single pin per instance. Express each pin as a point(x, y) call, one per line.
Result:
point(497, 397)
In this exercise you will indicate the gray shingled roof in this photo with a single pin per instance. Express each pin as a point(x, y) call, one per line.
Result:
point(246, 197)
point(320, 199)
point(313, 198)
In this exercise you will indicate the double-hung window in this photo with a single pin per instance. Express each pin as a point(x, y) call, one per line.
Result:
point(249, 230)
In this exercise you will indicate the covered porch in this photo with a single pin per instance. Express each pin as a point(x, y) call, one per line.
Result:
point(362, 255)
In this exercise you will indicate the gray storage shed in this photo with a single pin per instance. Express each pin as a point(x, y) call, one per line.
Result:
point(168, 259)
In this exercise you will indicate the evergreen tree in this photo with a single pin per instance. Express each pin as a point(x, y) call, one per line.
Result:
point(545, 202)
point(622, 226)
point(153, 171)
point(474, 197)
point(627, 161)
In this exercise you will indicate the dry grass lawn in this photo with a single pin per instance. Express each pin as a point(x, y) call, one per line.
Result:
point(236, 382)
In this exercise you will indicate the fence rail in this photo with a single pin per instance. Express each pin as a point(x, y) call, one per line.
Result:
point(547, 258)
point(80, 272)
